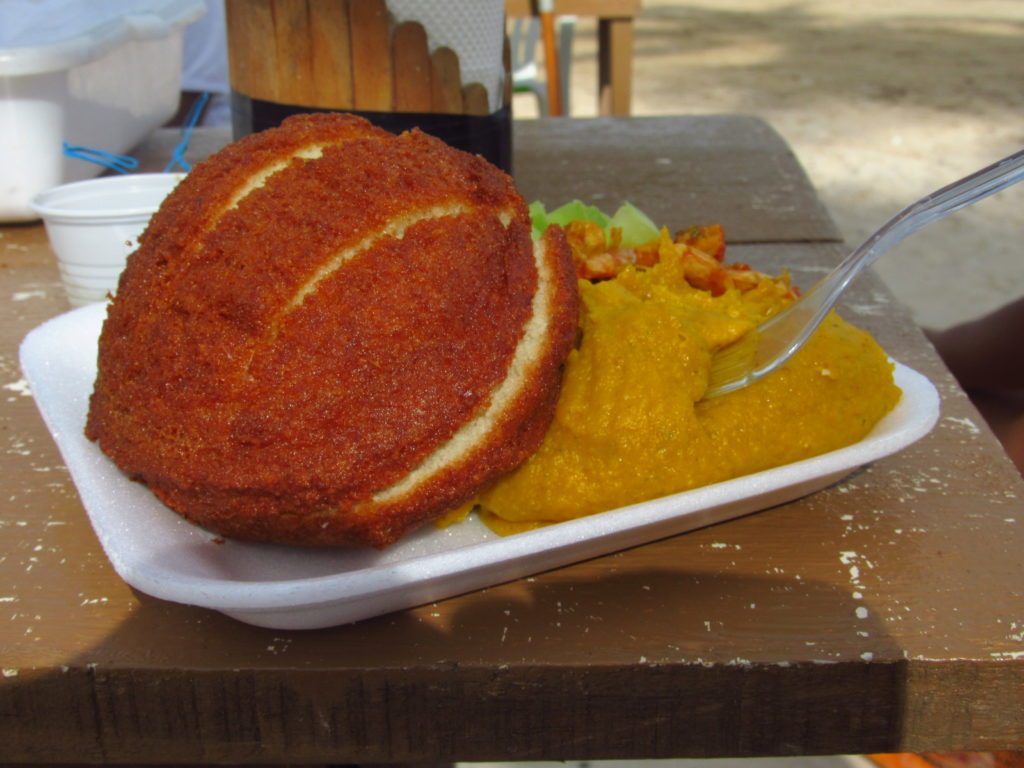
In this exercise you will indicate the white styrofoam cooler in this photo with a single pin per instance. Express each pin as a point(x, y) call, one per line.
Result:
point(100, 74)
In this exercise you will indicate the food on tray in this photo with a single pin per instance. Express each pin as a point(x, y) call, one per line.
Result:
point(330, 335)
point(630, 423)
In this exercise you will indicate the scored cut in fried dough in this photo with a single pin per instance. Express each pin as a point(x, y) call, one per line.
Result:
point(330, 335)
point(531, 353)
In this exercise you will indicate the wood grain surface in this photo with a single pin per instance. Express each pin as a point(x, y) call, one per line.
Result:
point(331, 52)
point(293, 40)
point(411, 56)
point(344, 55)
point(371, 55)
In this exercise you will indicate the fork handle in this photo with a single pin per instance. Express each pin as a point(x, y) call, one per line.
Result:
point(939, 204)
point(822, 297)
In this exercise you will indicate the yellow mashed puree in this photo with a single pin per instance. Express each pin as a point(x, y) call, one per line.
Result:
point(631, 426)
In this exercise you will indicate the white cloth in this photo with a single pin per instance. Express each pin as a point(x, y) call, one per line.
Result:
point(204, 64)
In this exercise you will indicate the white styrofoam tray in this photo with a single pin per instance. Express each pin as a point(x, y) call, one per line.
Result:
point(162, 555)
point(101, 75)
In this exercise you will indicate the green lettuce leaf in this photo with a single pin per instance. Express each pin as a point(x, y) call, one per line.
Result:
point(637, 228)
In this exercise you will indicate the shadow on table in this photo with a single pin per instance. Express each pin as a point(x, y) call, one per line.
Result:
point(589, 662)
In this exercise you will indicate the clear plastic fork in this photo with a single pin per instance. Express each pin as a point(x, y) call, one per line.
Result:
point(772, 343)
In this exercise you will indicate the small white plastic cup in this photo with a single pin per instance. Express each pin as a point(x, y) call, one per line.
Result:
point(93, 225)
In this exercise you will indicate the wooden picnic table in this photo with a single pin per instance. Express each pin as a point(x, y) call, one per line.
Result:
point(883, 613)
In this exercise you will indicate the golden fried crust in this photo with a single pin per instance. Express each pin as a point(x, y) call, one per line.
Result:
point(330, 335)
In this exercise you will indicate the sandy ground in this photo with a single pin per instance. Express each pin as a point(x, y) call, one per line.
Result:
point(882, 100)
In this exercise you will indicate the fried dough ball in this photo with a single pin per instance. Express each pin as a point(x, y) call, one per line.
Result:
point(332, 335)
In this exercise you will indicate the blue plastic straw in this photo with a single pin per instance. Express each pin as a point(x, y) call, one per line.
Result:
point(124, 163)
point(178, 158)
point(119, 163)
